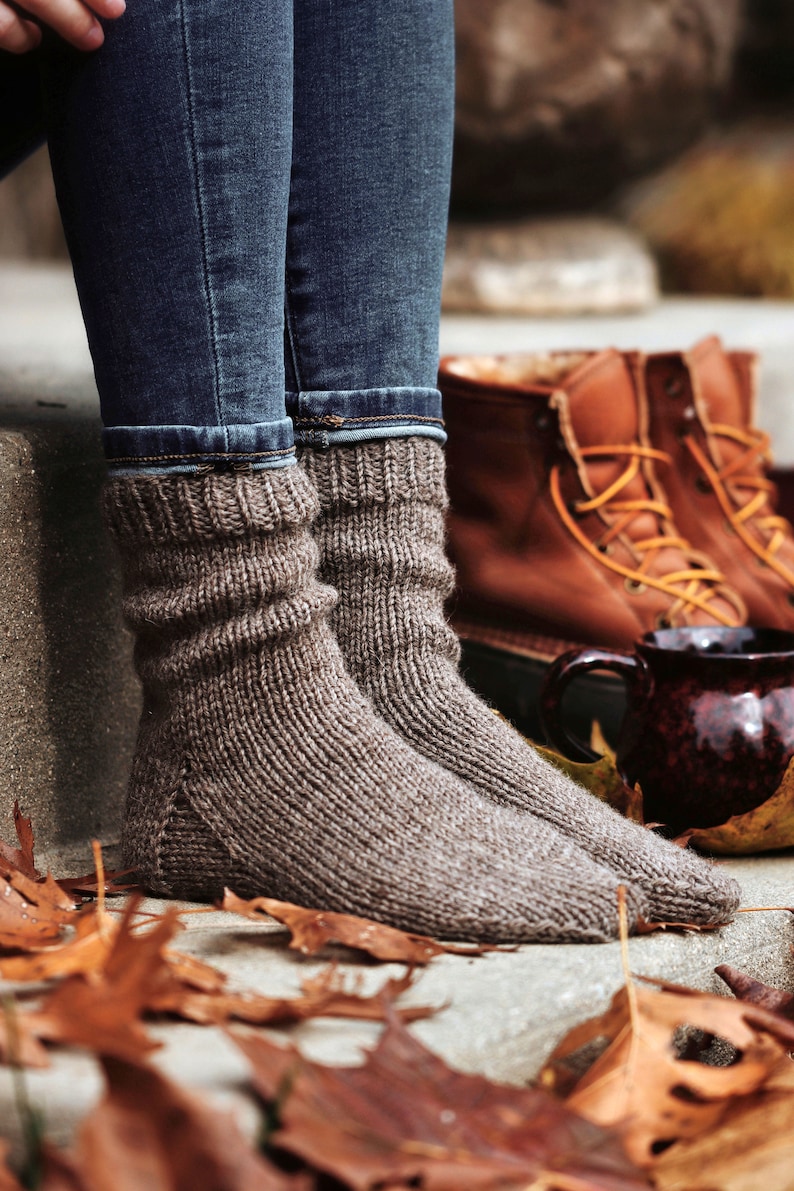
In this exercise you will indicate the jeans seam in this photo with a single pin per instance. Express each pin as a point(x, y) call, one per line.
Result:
point(337, 420)
point(201, 455)
point(200, 204)
point(292, 334)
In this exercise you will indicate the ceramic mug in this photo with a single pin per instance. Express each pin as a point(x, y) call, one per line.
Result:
point(709, 725)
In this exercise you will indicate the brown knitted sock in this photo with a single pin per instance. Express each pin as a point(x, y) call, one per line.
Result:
point(261, 765)
point(381, 536)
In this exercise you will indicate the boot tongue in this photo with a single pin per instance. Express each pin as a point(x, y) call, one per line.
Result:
point(719, 385)
point(603, 401)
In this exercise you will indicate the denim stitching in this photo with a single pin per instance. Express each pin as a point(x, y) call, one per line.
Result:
point(335, 420)
point(212, 315)
point(202, 455)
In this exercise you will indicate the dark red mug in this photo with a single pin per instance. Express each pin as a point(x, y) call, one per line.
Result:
point(709, 725)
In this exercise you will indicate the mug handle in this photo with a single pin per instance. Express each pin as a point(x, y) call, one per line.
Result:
point(631, 668)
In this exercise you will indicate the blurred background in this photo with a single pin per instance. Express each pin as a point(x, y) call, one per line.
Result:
point(645, 141)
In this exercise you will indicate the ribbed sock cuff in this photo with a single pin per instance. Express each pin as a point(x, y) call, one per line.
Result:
point(382, 472)
point(161, 509)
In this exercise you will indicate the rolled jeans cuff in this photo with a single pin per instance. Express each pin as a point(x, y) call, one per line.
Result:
point(181, 449)
point(323, 418)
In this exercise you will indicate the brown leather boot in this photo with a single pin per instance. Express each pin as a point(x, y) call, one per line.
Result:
point(559, 528)
point(702, 412)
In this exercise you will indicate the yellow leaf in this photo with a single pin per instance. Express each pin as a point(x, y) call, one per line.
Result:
point(765, 829)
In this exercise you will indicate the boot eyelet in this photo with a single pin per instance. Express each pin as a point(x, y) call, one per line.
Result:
point(573, 508)
point(605, 548)
point(635, 586)
point(673, 386)
point(702, 484)
point(663, 621)
point(728, 528)
point(542, 420)
point(760, 562)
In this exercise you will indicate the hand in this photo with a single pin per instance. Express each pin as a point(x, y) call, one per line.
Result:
point(74, 20)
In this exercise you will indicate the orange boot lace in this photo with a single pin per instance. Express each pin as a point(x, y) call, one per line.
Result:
point(690, 588)
point(745, 472)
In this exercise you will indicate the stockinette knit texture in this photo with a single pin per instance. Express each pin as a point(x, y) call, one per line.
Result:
point(260, 765)
point(381, 538)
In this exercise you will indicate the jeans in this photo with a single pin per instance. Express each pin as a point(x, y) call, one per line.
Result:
point(255, 199)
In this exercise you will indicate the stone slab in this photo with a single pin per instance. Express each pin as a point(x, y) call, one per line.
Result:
point(554, 266)
point(500, 1014)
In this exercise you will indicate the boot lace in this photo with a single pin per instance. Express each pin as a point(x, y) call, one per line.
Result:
point(690, 588)
point(745, 471)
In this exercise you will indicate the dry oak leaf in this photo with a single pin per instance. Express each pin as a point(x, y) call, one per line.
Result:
point(323, 995)
point(752, 1147)
point(312, 930)
point(102, 1009)
point(33, 914)
point(21, 858)
point(639, 1085)
point(19, 1045)
point(406, 1119)
point(745, 988)
point(148, 1134)
point(767, 828)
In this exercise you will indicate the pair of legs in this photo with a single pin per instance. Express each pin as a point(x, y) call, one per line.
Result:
point(305, 732)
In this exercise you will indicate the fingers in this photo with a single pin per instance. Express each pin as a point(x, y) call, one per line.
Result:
point(75, 21)
point(18, 36)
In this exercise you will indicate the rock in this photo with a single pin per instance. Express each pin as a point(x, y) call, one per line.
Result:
point(559, 101)
point(547, 266)
point(721, 220)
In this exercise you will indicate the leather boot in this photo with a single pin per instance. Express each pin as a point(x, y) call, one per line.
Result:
point(702, 413)
point(559, 527)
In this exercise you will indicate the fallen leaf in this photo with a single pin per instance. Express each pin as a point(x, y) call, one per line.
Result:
point(312, 930)
point(321, 996)
point(406, 1119)
point(19, 1045)
point(599, 743)
point(767, 828)
point(89, 886)
point(102, 1010)
point(21, 858)
point(33, 914)
point(641, 1086)
point(147, 1134)
point(602, 779)
point(752, 1147)
point(747, 989)
point(641, 927)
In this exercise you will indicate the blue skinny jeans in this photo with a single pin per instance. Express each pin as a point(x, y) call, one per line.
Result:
point(255, 199)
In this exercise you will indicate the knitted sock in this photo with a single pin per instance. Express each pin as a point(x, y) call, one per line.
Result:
point(381, 537)
point(259, 763)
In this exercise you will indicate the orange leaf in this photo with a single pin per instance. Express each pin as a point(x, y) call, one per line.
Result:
point(33, 914)
point(312, 930)
point(22, 857)
point(322, 996)
point(149, 1133)
point(406, 1119)
point(640, 1085)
